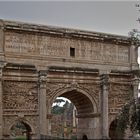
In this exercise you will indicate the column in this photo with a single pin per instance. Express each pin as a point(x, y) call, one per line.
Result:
point(1, 41)
point(2, 64)
point(134, 57)
point(1, 111)
point(104, 105)
point(42, 104)
point(135, 84)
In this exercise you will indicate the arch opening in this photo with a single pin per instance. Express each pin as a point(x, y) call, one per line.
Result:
point(81, 100)
point(63, 122)
point(20, 130)
point(113, 133)
point(77, 113)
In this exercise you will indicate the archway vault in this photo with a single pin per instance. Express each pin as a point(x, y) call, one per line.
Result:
point(83, 101)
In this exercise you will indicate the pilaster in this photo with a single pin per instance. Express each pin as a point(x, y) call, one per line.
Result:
point(104, 105)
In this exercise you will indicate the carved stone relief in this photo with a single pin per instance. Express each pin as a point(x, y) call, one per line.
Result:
point(92, 90)
point(8, 121)
point(118, 96)
point(19, 95)
point(51, 88)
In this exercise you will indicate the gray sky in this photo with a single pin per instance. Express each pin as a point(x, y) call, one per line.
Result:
point(116, 17)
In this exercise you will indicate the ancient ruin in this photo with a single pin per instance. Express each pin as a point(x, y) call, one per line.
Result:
point(96, 71)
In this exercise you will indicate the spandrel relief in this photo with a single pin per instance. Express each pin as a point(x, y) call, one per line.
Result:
point(119, 95)
point(19, 95)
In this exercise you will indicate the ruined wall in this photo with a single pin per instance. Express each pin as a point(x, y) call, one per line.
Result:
point(26, 50)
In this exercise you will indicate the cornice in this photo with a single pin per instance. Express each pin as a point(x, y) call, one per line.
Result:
point(64, 32)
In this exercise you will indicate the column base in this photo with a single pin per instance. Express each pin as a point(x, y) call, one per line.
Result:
point(105, 138)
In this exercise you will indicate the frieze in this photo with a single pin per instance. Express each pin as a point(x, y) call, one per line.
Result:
point(29, 44)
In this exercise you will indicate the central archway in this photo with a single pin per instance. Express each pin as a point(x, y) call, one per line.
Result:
point(87, 112)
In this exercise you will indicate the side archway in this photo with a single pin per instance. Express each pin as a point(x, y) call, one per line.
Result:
point(112, 130)
point(21, 128)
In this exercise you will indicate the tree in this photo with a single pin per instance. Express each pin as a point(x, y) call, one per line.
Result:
point(130, 113)
point(135, 36)
point(129, 117)
point(135, 33)
point(138, 7)
point(58, 101)
point(57, 109)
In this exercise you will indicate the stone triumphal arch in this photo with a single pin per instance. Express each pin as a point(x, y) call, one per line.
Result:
point(96, 71)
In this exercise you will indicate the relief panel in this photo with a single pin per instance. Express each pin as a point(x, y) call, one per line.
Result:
point(118, 96)
point(19, 95)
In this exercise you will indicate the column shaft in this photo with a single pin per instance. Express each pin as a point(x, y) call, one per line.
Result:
point(1, 108)
point(104, 105)
point(135, 87)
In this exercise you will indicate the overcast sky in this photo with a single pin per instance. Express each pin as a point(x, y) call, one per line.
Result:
point(116, 17)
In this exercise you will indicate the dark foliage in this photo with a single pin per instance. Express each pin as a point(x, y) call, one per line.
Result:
point(129, 116)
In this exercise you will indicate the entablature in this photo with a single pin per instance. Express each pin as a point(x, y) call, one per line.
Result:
point(64, 32)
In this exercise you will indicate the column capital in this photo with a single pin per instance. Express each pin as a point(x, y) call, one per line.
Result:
point(135, 81)
point(104, 79)
point(42, 72)
point(101, 72)
point(42, 78)
point(2, 64)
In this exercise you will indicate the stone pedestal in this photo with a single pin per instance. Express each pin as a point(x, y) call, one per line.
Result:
point(104, 106)
point(88, 127)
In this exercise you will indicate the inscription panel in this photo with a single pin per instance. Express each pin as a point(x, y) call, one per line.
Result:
point(29, 44)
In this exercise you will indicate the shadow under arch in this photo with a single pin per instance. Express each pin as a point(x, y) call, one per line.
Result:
point(113, 134)
point(27, 129)
point(83, 101)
